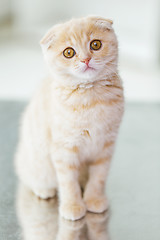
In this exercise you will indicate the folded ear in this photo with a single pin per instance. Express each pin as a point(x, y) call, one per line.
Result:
point(48, 39)
point(103, 23)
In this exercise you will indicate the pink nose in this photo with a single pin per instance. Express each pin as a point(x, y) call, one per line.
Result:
point(86, 61)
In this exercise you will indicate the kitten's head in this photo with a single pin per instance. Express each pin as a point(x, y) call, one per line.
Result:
point(82, 50)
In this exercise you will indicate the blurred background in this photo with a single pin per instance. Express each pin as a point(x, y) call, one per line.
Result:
point(133, 184)
point(24, 22)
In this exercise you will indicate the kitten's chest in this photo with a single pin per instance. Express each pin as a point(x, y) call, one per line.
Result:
point(87, 128)
point(86, 120)
point(93, 117)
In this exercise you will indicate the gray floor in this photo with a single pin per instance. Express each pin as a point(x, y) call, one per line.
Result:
point(133, 186)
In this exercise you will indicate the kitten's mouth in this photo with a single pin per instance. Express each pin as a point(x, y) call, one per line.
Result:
point(88, 68)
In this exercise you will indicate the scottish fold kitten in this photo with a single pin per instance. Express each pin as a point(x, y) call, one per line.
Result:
point(70, 127)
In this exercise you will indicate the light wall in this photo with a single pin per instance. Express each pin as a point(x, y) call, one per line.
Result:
point(5, 9)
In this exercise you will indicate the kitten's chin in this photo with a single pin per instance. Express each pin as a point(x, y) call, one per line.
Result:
point(89, 74)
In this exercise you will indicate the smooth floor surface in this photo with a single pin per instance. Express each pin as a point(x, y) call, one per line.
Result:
point(133, 186)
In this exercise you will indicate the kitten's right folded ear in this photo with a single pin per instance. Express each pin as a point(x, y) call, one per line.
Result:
point(48, 39)
point(102, 22)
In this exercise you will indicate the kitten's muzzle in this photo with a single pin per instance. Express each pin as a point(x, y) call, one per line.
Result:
point(86, 61)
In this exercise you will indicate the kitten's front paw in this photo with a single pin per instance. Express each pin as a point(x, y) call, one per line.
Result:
point(45, 193)
point(72, 225)
point(96, 204)
point(73, 211)
point(96, 218)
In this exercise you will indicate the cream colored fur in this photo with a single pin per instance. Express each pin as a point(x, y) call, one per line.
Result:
point(70, 126)
point(39, 220)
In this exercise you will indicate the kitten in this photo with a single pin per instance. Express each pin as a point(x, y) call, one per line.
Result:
point(72, 122)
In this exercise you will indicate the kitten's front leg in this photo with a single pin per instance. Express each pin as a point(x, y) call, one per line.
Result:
point(94, 195)
point(72, 206)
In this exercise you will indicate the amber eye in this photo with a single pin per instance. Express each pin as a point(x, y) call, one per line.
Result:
point(95, 45)
point(69, 52)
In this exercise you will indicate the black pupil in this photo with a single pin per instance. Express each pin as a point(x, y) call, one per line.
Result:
point(95, 44)
point(69, 52)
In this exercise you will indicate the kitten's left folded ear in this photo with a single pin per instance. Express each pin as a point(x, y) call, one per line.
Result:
point(48, 39)
point(103, 23)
